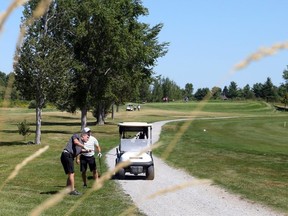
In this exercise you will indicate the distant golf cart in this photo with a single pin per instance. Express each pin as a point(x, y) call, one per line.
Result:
point(129, 107)
point(135, 142)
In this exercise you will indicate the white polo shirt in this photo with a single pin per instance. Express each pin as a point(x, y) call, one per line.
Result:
point(90, 144)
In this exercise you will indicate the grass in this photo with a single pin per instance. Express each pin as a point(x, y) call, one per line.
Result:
point(247, 155)
point(44, 176)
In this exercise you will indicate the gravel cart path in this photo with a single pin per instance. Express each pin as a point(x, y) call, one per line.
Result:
point(174, 192)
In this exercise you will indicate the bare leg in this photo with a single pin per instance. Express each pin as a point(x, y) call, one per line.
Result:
point(70, 181)
point(95, 174)
point(84, 178)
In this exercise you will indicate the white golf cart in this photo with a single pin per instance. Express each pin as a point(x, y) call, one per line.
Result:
point(135, 143)
point(129, 107)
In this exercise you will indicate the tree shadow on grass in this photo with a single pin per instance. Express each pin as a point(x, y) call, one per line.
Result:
point(12, 143)
point(43, 123)
point(64, 117)
point(42, 131)
point(55, 123)
point(78, 123)
point(49, 192)
point(55, 132)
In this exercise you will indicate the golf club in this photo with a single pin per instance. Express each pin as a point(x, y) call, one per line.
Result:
point(99, 172)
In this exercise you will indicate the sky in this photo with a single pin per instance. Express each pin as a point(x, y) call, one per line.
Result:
point(207, 40)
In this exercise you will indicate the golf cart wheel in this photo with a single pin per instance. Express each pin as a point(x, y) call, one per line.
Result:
point(121, 174)
point(150, 173)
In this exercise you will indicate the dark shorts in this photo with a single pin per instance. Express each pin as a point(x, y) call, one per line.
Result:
point(67, 161)
point(87, 160)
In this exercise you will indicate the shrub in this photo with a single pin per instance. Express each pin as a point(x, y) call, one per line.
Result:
point(24, 128)
point(32, 104)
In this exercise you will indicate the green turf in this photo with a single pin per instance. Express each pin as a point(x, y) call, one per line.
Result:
point(245, 153)
point(248, 156)
point(43, 177)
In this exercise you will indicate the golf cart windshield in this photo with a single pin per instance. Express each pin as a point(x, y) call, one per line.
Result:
point(134, 145)
point(135, 136)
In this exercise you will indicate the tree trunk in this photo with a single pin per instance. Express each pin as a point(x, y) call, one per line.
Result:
point(38, 125)
point(83, 117)
point(100, 115)
point(113, 111)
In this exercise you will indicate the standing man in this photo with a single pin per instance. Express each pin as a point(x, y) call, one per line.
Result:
point(88, 158)
point(73, 148)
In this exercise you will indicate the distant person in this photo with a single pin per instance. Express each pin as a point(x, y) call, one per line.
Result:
point(88, 158)
point(74, 147)
point(138, 107)
point(141, 136)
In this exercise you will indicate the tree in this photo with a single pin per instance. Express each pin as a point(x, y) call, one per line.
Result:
point(285, 75)
point(113, 52)
point(188, 90)
point(43, 63)
point(269, 91)
point(165, 88)
point(247, 92)
point(145, 91)
point(225, 91)
point(282, 91)
point(257, 89)
point(2, 84)
point(3, 79)
point(170, 89)
point(216, 92)
point(202, 93)
point(232, 90)
point(157, 89)
point(136, 50)
point(285, 99)
point(284, 88)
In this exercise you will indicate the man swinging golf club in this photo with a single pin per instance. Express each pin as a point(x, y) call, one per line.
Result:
point(88, 158)
point(73, 148)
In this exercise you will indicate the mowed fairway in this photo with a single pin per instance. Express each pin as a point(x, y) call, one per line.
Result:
point(246, 153)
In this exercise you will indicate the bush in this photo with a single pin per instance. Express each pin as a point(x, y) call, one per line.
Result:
point(18, 103)
point(32, 104)
point(24, 129)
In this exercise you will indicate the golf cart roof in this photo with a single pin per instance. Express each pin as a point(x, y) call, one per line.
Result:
point(134, 124)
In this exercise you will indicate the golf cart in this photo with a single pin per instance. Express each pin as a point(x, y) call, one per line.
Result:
point(129, 107)
point(135, 143)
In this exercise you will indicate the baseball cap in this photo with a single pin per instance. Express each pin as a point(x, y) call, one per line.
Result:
point(86, 130)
